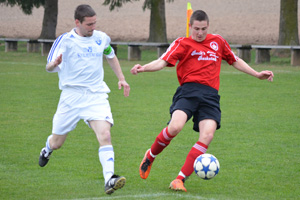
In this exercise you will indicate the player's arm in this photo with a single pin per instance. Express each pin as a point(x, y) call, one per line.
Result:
point(50, 67)
point(115, 65)
point(241, 65)
point(153, 66)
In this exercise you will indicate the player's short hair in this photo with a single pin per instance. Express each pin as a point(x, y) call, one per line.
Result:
point(83, 11)
point(199, 15)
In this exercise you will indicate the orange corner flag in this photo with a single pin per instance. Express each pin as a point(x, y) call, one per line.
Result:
point(189, 12)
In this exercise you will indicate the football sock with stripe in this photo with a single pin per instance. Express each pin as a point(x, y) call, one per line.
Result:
point(48, 148)
point(162, 141)
point(188, 167)
point(107, 160)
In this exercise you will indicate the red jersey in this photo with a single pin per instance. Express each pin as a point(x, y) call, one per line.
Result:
point(199, 62)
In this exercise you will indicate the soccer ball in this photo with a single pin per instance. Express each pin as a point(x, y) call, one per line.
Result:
point(206, 166)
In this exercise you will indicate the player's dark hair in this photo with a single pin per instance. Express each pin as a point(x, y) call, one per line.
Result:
point(199, 15)
point(83, 11)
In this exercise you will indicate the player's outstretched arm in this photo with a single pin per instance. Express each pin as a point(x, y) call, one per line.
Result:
point(153, 66)
point(115, 65)
point(266, 75)
point(244, 67)
point(52, 65)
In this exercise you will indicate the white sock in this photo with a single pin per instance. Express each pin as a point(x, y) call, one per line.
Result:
point(182, 174)
point(107, 160)
point(48, 148)
point(152, 155)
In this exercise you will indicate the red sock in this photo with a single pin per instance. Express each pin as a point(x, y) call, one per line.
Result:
point(188, 167)
point(162, 141)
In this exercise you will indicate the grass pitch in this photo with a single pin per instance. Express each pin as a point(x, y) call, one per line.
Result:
point(257, 146)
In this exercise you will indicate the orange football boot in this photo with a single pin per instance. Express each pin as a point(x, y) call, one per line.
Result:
point(145, 166)
point(177, 185)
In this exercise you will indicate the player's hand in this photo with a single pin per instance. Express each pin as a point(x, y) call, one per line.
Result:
point(126, 87)
point(52, 65)
point(137, 69)
point(265, 75)
point(58, 60)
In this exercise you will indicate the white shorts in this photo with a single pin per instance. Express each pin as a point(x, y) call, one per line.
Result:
point(77, 104)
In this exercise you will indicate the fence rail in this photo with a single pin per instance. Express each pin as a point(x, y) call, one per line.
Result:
point(134, 50)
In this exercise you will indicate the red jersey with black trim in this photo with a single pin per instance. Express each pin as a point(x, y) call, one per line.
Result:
point(199, 62)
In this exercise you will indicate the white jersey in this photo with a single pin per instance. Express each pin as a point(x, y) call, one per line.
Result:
point(82, 60)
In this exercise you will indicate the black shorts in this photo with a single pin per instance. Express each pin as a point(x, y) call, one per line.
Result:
point(197, 100)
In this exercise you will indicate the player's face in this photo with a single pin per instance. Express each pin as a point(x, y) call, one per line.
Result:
point(87, 27)
point(199, 30)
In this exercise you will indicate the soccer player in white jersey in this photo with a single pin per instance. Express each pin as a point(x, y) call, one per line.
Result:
point(77, 56)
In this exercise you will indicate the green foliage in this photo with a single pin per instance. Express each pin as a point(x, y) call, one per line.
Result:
point(257, 146)
point(25, 5)
point(147, 3)
point(116, 3)
point(119, 3)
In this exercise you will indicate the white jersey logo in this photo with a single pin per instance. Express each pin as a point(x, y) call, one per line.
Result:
point(214, 46)
point(209, 55)
point(200, 53)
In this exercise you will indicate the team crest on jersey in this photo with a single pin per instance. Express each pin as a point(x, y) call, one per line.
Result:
point(214, 46)
point(89, 49)
point(98, 41)
point(89, 52)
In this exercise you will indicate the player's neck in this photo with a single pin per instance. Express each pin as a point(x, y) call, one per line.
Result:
point(77, 31)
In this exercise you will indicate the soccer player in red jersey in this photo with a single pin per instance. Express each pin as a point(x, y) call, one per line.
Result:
point(199, 60)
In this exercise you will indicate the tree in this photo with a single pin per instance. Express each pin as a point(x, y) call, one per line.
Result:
point(50, 19)
point(50, 13)
point(157, 28)
point(25, 5)
point(288, 25)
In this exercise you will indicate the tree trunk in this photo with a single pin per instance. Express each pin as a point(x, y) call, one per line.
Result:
point(49, 20)
point(288, 27)
point(158, 30)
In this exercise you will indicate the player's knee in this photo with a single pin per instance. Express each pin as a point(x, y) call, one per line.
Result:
point(57, 141)
point(174, 129)
point(104, 138)
point(210, 136)
point(207, 137)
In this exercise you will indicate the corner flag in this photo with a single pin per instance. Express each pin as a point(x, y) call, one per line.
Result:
point(189, 12)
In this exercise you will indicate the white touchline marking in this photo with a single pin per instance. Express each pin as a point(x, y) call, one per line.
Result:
point(141, 196)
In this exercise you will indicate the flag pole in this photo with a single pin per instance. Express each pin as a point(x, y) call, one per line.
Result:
point(189, 12)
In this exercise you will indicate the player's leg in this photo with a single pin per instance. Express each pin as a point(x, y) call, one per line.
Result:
point(106, 152)
point(56, 141)
point(106, 155)
point(176, 124)
point(207, 129)
point(64, 121)
point(163, 139)
point(53, 142)
point(207, 118)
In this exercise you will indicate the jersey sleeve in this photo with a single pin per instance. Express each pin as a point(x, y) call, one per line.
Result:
point(109, 52)
point(228, 54)
point(173, 53)
point(57, 48)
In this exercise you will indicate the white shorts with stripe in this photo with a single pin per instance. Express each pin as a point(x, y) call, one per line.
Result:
point(77, 104)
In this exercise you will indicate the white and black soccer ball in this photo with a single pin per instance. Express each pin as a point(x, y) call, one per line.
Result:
point(206, 166)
